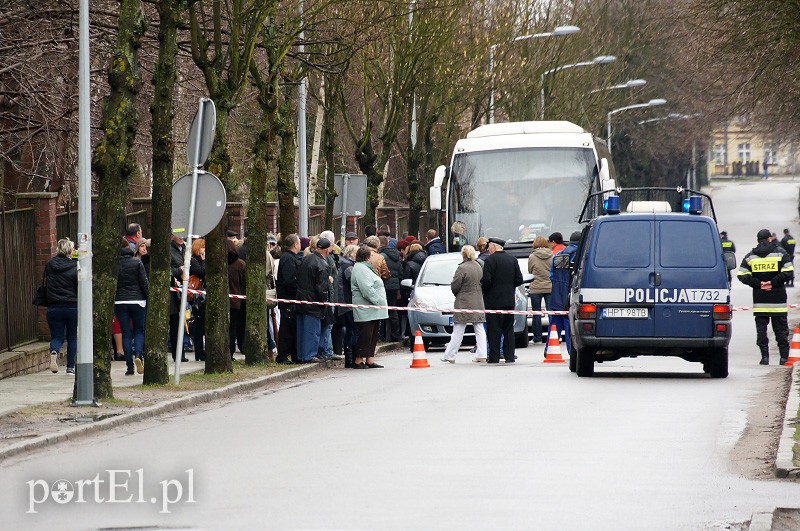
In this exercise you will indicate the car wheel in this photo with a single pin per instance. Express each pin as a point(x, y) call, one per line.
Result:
point(584, 364)
point(521, 340)
point(718, 364)
point(573, 357)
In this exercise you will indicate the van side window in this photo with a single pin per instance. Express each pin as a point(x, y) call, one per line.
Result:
point(623, 244)
point(687, 244)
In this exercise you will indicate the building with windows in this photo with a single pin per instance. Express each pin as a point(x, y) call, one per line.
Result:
point(740, 149)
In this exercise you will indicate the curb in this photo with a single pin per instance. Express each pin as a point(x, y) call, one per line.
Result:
point(761, 521)
point(159, 409)
point(784, 459)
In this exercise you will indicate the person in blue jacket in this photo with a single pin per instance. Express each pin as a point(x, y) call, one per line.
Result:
point(560, 276)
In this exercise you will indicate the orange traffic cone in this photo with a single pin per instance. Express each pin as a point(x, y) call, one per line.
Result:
point(553, 354)
point(420, 360)
point(794, 349)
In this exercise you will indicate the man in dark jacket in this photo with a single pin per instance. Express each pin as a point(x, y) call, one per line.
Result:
point(286, 288)
point(177, 247)
point(767, 269)
point(434, 245)
point(394, 261)
point(560, 277)
point(313, 283)
point(788, 244)
point(501, 276)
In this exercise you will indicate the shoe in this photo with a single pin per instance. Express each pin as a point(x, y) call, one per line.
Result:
point(510, 361)
point(119, 357)
point(54, 361)
point(783, 361)
point(337, 357)
point(473, 350)
point(139, 364)
point(493, 362)
point(374, 366)
point(199, 359)
point(70, 370)
point(447, 360)
point(360, 366)
point(764, 360)
point(129, 372)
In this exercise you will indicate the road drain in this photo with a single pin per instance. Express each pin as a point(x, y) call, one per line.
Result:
point(84, 419)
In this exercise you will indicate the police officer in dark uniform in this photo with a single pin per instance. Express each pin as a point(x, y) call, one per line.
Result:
point(501, 276)
point(729, 252)
point(766, 269)
point(787, 242)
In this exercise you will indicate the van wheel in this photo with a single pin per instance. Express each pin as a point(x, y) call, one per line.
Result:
point(521, 340)
point(584, 364)
point(718, 364)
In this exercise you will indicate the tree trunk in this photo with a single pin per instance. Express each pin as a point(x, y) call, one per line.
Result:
point(156, 370)
point(218, 354)
point(284, 128)
point(255, 342)
point(115, 164)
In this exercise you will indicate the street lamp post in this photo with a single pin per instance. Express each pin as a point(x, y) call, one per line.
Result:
point(652, 103)
point(632, 83)
point(557, 32)
point(599, 60)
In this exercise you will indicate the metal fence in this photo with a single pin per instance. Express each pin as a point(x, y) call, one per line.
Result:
point(18, 280)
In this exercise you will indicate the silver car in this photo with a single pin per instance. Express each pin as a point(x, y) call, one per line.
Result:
point(432, 292)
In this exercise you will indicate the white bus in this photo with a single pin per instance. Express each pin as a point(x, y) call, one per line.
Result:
point(520, 180)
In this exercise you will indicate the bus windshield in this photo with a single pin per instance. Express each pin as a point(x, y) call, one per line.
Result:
point(518, 194)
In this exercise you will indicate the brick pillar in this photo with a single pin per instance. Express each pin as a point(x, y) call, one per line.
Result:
point(44, 205)
point(236, 214)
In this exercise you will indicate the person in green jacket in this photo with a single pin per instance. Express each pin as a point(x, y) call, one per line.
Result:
point(367, 288)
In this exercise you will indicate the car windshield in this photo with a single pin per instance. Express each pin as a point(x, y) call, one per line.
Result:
point(518, 194)
point(439, 272)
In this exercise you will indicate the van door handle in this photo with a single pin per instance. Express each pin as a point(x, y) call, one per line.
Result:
point(655, 279)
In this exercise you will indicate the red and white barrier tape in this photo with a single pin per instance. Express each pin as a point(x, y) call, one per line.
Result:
point(426, 310)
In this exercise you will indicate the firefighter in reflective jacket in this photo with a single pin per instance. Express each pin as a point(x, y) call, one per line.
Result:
point(766, 269)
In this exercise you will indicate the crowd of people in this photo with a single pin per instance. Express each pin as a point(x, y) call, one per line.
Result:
point(365, 270)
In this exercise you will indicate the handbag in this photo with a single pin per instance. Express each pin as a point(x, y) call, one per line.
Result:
point(40, 297)
point(195, 283)
point(272, 292)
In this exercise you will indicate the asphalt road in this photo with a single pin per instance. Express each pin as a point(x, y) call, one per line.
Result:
point(643, 445)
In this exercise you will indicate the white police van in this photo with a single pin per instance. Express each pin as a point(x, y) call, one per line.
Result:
point(650, 279)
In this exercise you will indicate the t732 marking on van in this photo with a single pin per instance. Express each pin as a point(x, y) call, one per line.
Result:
point(655, 295)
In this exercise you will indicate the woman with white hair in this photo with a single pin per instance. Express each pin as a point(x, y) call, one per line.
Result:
point(466, 286)
point(61, 273)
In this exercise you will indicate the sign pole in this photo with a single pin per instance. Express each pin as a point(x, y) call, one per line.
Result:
point(187, 259)
point(85, 363)
point(345, 178)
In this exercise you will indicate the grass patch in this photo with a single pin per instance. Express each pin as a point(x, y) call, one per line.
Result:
point(200, 381)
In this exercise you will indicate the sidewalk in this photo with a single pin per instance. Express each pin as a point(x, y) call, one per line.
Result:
point(43, 387)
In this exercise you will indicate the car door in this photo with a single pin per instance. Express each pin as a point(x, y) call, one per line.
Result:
point(620, 270)
point(691, 275)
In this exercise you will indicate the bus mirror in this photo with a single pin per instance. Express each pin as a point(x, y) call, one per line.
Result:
point(436, 197)
point(605, 174)
point(439, 175)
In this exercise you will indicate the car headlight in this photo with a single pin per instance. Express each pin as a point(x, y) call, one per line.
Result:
point(425, 304)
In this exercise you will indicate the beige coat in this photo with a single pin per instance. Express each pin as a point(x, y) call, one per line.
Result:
point(379, 265)
point(539, 267)
point(466, 286)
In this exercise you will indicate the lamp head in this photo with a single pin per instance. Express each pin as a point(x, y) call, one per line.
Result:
point(604, 59)
point(636, 83)
point(656, 101)
point(566, 30)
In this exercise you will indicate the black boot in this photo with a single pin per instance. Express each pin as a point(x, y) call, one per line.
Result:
point(349, 358)
point(784, 358)
point(764, 357)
